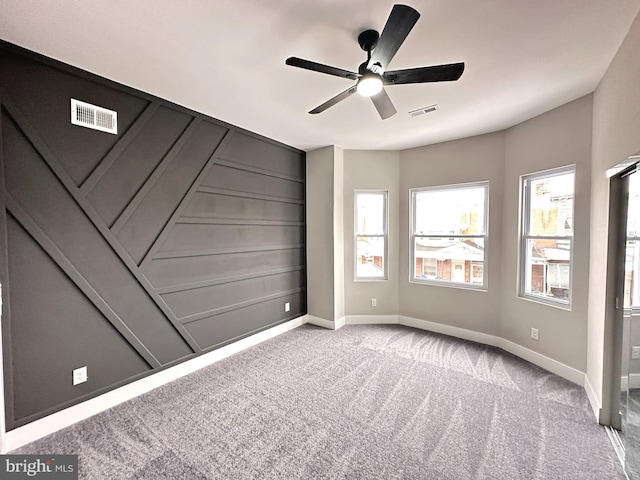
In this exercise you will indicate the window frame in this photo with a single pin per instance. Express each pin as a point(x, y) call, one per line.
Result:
point(384, 235)
point(484, 286)
point(526, 236)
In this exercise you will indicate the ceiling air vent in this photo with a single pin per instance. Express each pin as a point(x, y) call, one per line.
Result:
point(91, 116)
point(423, 110)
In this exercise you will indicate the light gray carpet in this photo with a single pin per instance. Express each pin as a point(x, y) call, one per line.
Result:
point(364, 402)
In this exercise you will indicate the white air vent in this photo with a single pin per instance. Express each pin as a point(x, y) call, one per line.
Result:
point(424, 110)
point(91, 116)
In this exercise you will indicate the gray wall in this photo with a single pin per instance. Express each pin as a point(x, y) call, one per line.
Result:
point(616, 136)
point(130, 253)
point(325, 247)
point(555, 139)
point(472, 159)
point(379, 171)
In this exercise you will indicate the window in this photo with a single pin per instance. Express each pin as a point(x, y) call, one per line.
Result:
point(547, 236)
point(632, 250)
point(429, 267)
point(449, 235)
point(477, 272)
point(371, 235)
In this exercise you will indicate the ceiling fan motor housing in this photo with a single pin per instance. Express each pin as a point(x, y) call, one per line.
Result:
point(368, 40)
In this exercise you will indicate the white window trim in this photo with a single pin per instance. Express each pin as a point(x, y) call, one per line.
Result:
point(384, 235)
point(412, 217)
point(525, 237)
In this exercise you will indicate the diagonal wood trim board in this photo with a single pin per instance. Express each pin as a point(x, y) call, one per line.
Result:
point(65, 418)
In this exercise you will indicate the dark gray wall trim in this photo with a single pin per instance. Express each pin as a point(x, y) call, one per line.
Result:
point(218, 330)
point(117, 149)
point(256, 196)
point(226, 251)
point(233, 221)
point(153, 179)
point(76, 277)
point(230, 279)
point(179, 235)
point(237, 306)
point(263, 171)
point(149, 219)
point(54, 164)
point(153, 250)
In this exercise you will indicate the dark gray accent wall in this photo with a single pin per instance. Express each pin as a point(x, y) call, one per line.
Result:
point(133, 252)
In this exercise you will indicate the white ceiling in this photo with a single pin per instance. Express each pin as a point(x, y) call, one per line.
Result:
point(225, 58)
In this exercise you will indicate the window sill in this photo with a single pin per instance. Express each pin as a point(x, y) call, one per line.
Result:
point(566, 306)
point(459, 286)
point(372, 279)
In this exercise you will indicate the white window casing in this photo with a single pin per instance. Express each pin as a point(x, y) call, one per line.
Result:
point(449, 235)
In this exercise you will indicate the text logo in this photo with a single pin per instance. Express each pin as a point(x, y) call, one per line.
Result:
point(50, 467)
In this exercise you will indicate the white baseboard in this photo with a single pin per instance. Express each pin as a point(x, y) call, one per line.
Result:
point(629, 381)
point(538, 359)
point(564, 371)
point(3, 430)
point(593, 398)
point(328, 324)
point(67, 417)
point(450, 330)
point(371, 319)
point(634, 380)
point(560, 369)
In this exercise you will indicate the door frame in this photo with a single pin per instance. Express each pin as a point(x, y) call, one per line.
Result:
point(614, 304)
point(609, 414)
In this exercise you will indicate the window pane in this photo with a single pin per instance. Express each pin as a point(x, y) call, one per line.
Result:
point(632, 254)
point(632, 274)
point(371, 234)
point(370, 257)
point(551, 205)
point(449, 260)
point(370, 213)
point(455, 211)
point(547, 268)
point(558, 275)
point(633, 208)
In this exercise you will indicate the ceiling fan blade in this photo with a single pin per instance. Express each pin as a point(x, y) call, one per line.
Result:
point(383, 104)
point(338, 98)
point(437, 73)
point(399, 24)
point(319, 67)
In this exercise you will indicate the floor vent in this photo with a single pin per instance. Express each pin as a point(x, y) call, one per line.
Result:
point(423, 110)
point(91, 116)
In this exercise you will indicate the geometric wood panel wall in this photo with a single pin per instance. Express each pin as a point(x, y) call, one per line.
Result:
point(132, 252)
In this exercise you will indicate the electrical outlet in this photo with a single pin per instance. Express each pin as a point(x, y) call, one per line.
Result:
point(287, 307)
point(80, 375)
point(635, 353)
point(374, 302)
point(535, 333)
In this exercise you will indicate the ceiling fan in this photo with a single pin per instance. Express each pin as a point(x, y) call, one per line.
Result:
point(373, 75)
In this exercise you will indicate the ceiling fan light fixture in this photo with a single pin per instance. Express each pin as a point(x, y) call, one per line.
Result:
point(372, 74)
point(369, 84)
